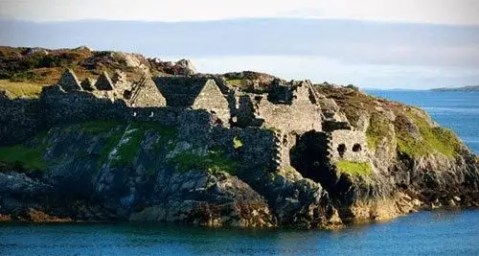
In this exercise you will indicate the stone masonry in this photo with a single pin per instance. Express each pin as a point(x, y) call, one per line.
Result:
point(286, 112)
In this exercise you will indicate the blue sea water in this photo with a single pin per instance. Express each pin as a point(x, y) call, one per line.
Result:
point(427, 233)
point(458, 111)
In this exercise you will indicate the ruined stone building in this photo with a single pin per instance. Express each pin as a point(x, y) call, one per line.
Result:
point(69, 81)
point(194, 93)
point(305, 135)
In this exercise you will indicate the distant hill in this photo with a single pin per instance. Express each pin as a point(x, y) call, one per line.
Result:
point(474, 88)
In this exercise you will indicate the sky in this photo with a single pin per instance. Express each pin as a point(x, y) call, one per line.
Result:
point(370, 43)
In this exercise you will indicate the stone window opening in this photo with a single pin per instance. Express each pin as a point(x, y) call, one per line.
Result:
point(341, 149)
point(357, 148)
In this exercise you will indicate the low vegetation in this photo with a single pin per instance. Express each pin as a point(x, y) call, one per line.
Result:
point(354, 168)
point(214, 161)
point(377, 130)
point(123, 139)
point(432, 139)
point(237, 143)
point(25, 157)
point(235, 82)
point(20, 89)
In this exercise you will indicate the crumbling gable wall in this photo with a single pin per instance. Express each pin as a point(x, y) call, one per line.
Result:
point(179, 91)
point(212, 99)
point(104, 82)
point(347, 145)
point(302, 113)
point(69, 81)
point(88, 84)
point(195, 93)
point(145, 94)
point(120, 81)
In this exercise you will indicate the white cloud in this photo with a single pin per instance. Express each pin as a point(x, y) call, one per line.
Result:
point(416, 11)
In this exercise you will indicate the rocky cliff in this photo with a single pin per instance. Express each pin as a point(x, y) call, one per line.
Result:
point(240, 149)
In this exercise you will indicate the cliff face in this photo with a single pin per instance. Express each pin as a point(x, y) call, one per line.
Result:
point(240, 149)
point(146, 172)
point(417, 164)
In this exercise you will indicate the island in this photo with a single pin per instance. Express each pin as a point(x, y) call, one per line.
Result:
point(111, 136)
point(469, 88)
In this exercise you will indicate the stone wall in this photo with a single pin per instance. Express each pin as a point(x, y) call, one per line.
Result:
point(256, 149)
point(146, 94)
point(347, 145)
point(195, 92)
point(300, 115)
point(19, 120)
point(180, 91)
point(212, 100)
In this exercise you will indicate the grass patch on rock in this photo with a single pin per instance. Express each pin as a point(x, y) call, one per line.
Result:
point(123, 143)
point(354, 168)
point(432, 139)
point(237, 143)
point(99, 126)
point(25, 157)
point(234, 82)
point(377, 130)
point(213, 161)
point(28, 158)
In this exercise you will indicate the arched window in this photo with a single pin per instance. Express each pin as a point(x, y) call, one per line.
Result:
point(341, 149)
point(357, 147)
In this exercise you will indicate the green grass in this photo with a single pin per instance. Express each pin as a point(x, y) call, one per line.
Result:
point(377, 130)
point(235, 82)
point(112, 141)
point(237, 143)
point(273, 129)
point(127, 151)
point(214, 161)
point(28, 158)
point(354, 168)
point(99, 126)
point(21, 89)
point(434, 139)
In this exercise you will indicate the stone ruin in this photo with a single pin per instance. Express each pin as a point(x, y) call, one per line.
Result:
point(104, 83)
point(69, 81)
point(195, 93)
point(88, 84)
point(290, 110)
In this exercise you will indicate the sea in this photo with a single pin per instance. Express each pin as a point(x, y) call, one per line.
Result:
point(425, 233)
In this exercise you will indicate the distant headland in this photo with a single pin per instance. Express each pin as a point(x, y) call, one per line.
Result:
point(469, 88)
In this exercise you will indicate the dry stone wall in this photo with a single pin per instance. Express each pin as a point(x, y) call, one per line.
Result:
point(347, 145)
point(212, 100)
point(302, 114)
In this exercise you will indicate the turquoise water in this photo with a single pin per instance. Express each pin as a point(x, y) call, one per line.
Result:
point(458, 111)
point(426, 233)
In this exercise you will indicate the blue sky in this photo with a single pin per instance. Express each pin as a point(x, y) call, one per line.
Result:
point(370, 43)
